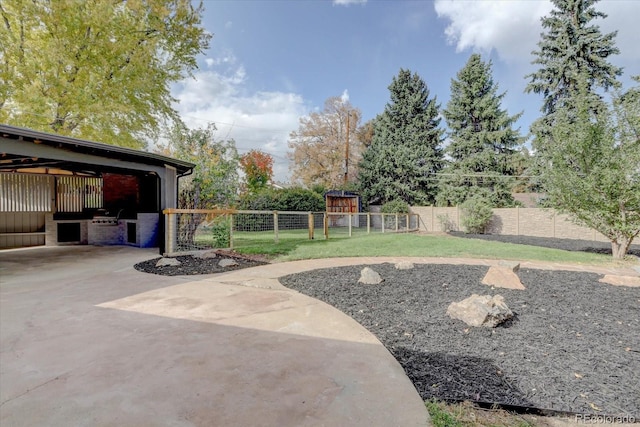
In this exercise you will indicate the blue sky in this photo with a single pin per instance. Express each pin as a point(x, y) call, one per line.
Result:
point(272, 62)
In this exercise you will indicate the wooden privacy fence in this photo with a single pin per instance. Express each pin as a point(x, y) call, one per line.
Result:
point(198, 229)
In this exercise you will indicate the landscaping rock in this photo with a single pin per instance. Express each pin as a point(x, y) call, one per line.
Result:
point(504, 275)
point(613, 279)
point(208, 255)
point(164, 262)
point(404, 265)
point(227, 262)
point(480, 310)
point(369, 277)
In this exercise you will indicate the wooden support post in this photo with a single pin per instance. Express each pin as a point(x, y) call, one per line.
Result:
point(275, 226)
point(397, 223)
point(311, 226)
point(230, 216)
point(349, 217)
point(170, 233)
point(325, 223)
point(407, 224)
point(368, 222)
point(382, 222)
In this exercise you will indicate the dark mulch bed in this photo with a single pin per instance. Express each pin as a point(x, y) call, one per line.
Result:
point(575, 345)
point(190, 265)
point(564, 244)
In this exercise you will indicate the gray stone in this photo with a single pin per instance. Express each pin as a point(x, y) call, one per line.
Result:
point(369, 277)
point(163, 262)
point(227, 262)
point(480, 310)
point(404, 265)
point(208, 255)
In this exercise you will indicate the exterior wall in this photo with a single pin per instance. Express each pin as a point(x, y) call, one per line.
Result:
point(120, 192)
point(147, 230)
point(20, 229)
point(536, 222)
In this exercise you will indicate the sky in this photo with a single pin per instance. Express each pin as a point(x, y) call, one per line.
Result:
point(272, 62)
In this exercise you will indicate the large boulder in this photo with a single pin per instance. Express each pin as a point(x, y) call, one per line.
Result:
point(504, 275)
point(481, 310)
point(369, 277)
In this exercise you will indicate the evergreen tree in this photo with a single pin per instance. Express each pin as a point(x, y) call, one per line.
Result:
point(405, 152)
point(570, 48)
point(484, 145)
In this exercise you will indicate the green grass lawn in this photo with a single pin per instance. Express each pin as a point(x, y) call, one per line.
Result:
point(292, 245)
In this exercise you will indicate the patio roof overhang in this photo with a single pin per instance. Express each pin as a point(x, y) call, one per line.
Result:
point(29, 151)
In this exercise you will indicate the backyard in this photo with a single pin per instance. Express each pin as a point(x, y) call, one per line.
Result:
point(573, 347)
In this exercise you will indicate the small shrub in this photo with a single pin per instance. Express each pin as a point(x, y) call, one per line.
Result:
point(476, 214)
point(446, 224)
point(221, 232)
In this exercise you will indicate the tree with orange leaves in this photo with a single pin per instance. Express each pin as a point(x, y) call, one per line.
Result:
point(258, 169)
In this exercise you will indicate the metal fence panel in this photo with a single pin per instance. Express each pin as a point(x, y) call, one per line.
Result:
point(74, 193)
point(25, 193)
point(192, 230)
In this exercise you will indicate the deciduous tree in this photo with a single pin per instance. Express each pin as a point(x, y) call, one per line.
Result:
point(96, 69)
point(214, 182)
point(592, 167)
point(319, 145)
point(483, 143)
point(258, 169)
point(405, 153)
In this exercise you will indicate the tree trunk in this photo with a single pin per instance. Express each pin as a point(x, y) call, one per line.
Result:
point(620, 246)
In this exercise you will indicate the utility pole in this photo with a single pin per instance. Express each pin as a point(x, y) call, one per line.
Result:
point(346, 153)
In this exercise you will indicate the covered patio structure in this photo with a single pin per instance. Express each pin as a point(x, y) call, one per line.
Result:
point(61, 190)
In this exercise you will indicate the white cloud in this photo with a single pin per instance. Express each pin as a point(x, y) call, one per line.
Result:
point(512, 28)
point(261, 120)
point(348, 2)
point(345, 96)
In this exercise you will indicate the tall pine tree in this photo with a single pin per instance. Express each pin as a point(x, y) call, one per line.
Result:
point(405, 153)
point(484, 145)
point(571, 48)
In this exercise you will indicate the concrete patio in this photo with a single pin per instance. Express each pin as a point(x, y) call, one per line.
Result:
point(87, 340)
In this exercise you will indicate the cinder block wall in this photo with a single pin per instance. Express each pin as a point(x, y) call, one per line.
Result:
point(535, 222)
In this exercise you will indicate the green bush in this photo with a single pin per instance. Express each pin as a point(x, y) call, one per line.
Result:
point(476, 214)
point(395, 206)
point(286, 199)
point(301, 200)
point(221, 232)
